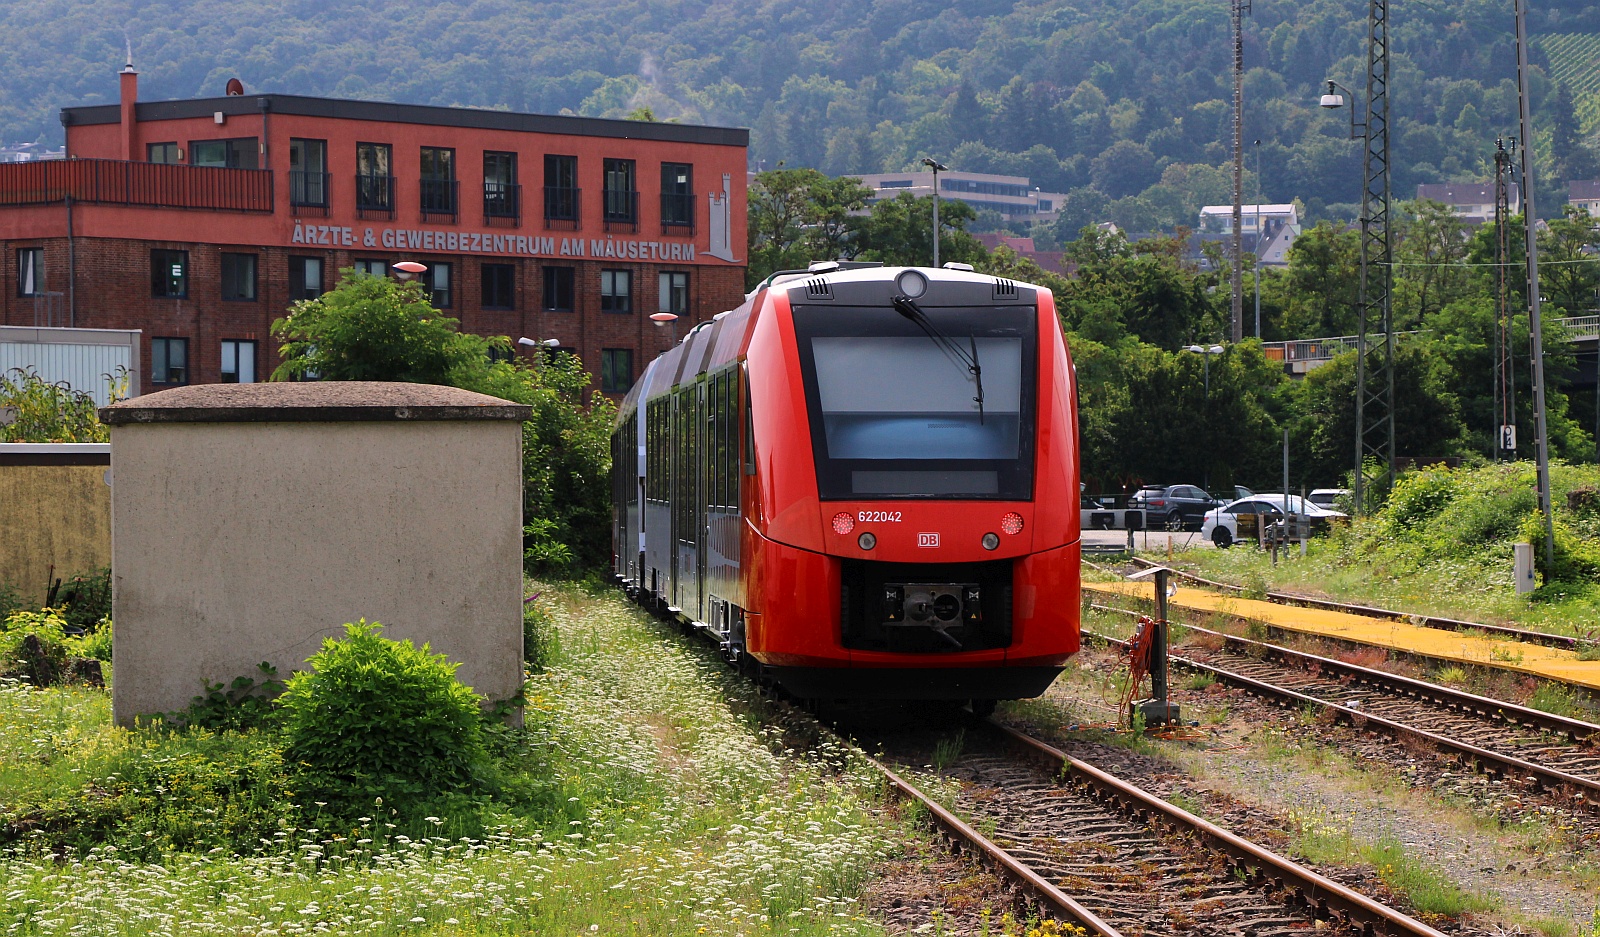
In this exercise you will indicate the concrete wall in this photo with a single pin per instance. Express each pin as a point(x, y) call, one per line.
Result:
point(55, 519)
point(240, 542)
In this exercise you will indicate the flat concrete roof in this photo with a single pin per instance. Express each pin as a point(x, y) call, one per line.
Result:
point(312, 402)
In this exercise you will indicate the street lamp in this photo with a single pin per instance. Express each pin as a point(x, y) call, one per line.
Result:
point(937, 168)
point(406, 269)
point(544, 347)
point(663, 319)
point(1333, 101)
point(1206, 351)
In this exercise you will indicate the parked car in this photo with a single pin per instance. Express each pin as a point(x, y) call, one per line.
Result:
point(1327, 497)
point(1221, 525)
point(1174, 507)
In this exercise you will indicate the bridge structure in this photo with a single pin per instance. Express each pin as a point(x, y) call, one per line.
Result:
point(1305, 355)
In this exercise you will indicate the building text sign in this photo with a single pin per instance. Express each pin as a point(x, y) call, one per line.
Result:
point(473, 242)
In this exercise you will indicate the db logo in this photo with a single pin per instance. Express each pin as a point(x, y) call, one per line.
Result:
point(928, 540)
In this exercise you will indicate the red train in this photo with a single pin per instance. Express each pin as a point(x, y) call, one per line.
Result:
point(864, 484)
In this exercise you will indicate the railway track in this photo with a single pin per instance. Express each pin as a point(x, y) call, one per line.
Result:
point(1116, 860)
point(1511, 743)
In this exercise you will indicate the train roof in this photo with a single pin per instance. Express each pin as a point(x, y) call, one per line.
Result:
point(719, 340)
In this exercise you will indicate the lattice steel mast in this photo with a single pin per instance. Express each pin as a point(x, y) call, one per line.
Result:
point(1375, 453)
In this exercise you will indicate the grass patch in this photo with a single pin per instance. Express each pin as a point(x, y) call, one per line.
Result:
point(1428, 890)
point(647, 786)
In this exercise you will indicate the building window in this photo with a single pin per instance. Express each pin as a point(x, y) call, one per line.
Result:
point(561, 188)
point(499, 286)
point(169, 361)
point(239, 277)
point(677, 195)
point(163, 153)
point(308, 172)
point(169, 274)
point(305, 277)
point(558, 289)
point(616, 291)
point(621, 201)
point(374, 183)
point(438, 181)
point(675, 293)
point(238, 362)
point(373, 268)
point(616, 370)
point(241, 153)
point(502, 197)
point(436, 281)
point(30, 271)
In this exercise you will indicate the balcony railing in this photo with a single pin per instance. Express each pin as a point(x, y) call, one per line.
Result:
point(621, 210)
point(374, 195)
point(677, 213)
point(502, 201)
point(309, 190)
point(439, 198)
point(123, 182)
point(562, 205)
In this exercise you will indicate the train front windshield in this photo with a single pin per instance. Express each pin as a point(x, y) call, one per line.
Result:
point(897, 412)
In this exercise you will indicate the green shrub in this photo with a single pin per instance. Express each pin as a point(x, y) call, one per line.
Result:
point(247, 703)
point(540, 643)
point(49, 628)
point(85, 599)
point(95, 644)
point(381, 718)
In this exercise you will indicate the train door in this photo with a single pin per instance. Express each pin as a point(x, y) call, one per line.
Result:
point(704, 453)
point(685, 514)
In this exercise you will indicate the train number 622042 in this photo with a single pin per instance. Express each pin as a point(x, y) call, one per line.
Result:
point(879, 517)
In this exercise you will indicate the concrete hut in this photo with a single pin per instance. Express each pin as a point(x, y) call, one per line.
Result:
point(250, 521)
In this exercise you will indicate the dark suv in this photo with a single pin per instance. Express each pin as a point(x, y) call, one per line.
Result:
point(1175, 507)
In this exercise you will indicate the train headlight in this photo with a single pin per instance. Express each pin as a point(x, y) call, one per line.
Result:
point(911, 283)
point(991, 541)
point(866, 541)
point(1011, 523)
point(843, 523)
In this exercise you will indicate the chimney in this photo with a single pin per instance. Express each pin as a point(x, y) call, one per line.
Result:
point(130, 98)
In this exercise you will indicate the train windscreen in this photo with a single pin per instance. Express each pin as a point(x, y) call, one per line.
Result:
point(903, 411)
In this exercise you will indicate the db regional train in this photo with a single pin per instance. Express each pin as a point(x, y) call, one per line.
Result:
point(863, 483)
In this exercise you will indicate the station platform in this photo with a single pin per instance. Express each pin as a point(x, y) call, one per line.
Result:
point(1533, 659)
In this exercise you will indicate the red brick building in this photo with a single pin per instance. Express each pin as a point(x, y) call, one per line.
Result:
point(201, 221)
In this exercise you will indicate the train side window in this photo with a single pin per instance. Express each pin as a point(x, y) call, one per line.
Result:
point(721, 452)
point(749, 425)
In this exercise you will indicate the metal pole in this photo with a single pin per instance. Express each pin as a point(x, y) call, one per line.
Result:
point(936, 217)
point(1528, 217)
point(1158, 645)
point(1257, 267)
point(1236, 319)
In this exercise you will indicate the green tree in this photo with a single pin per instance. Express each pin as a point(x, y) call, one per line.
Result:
point(1431, 244)
point(899, 232)
point(1569, 267)
point(800, 215)
point(1323, 283)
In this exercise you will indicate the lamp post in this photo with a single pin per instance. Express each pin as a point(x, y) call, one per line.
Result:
point(406, 269)
point(1256, 269)
point(546, 346)
point(1206, 351)
point(664, 319)
point(937, 168)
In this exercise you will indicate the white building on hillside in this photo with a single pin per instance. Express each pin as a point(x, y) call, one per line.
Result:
point(1265, 230)
point(1585, 195)
point(1473, 202)
point(1011, 196)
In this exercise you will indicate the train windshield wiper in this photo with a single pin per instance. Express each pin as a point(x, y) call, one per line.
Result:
point(961, 357)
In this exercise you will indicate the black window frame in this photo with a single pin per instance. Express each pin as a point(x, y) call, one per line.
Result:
point(365, 265)
point(440, 297)
point(308, 186)
point(31, 257)
point(233, 277)
point(172, 154)
point(619, 192)
point(494, 280)
point(298, 288)
point(559, 283)
point(665, 291)
point(238, 347)
point(161, 284)
point(375, 190)
point(677, 198)
point(608, 370)
point(502, 195)
point(232, 153)
point(610, 302)
point(436, 180)
point(562, 195)
point(161, 354)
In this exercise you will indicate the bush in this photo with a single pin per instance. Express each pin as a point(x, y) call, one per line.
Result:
point(381, 718)
point(42, 662)
point(85, 600)
point(539, 639)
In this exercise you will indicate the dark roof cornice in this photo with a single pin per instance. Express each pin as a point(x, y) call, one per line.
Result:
point(342, 109)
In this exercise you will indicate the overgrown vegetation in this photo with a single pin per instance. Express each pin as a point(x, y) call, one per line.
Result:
point(632, 793)
point(37, 410)
point(1442, 544)
point(372, 328)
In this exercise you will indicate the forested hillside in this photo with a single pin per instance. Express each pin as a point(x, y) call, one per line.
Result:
point(1109, 99)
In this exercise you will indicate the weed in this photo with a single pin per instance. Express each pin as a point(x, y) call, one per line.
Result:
point(541, 644)
point(1255, 585)
point(948, 749)
point(1429, 891)
point(245, 704)
point(1451, 674)
point(1506, 655)
point(1559, 699)
point(1589, 652)
point(1199, 681)
point(1256, 631)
